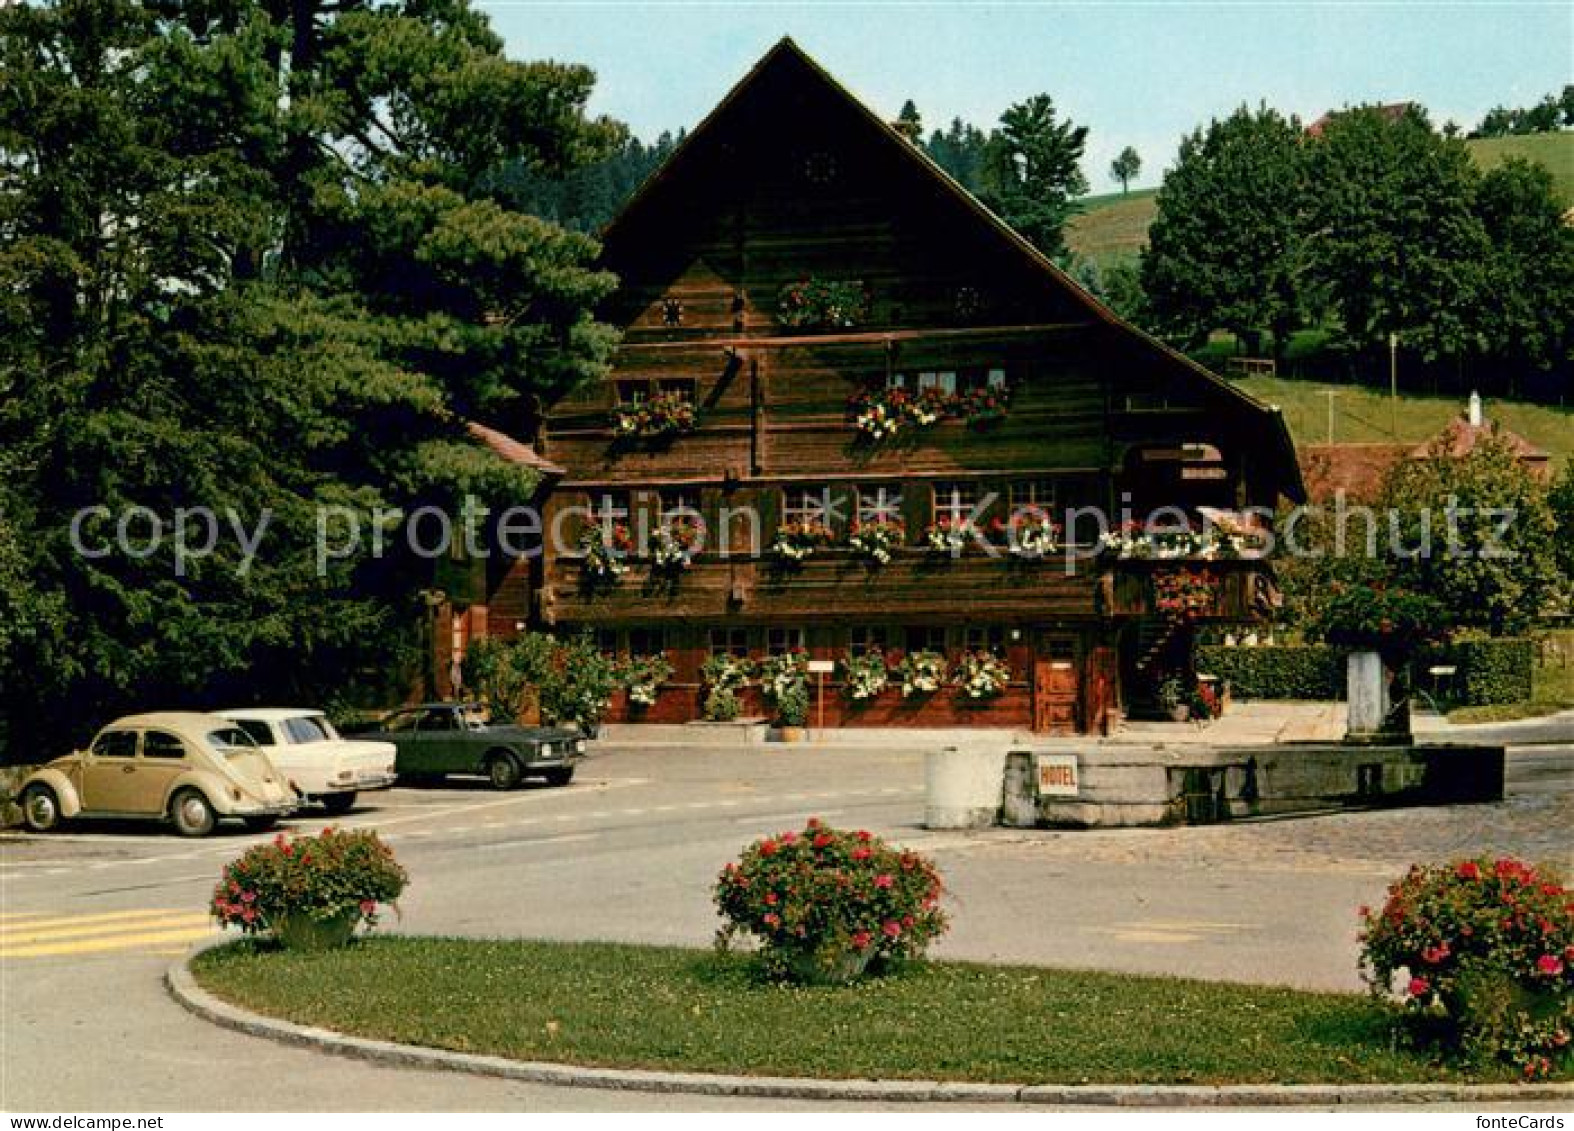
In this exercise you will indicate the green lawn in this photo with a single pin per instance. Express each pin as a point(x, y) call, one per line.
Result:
point(656, 1007)
point(1363, 415)
point(1113, 227)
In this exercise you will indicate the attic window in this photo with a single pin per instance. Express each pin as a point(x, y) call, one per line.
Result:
point(671, 312)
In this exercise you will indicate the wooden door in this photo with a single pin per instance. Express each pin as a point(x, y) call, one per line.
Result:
point(1056, 685)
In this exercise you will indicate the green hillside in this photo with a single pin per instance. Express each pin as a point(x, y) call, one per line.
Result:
point(1114, 227)
point(1363, 415)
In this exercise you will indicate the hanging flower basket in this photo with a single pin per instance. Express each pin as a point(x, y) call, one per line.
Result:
point(675, 545)
point(604, 551)
point(949, 537)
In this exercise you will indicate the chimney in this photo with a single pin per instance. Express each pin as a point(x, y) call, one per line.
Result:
point(1475, 410)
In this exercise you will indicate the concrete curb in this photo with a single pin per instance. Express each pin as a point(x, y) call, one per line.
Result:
point(184, 989)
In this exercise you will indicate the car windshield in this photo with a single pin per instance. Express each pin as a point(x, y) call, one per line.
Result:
point(304, 730)
point(230, 741)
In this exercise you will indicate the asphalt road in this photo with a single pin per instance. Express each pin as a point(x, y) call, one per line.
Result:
point(89, 918)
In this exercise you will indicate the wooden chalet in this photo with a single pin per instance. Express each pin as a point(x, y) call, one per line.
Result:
point(789, 186)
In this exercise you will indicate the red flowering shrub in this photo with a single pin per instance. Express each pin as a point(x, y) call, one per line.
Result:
point(825, 904)
point(1483, 950)
point(324, 877)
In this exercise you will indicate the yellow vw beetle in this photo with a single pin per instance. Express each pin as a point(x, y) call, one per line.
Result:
point(188, 768)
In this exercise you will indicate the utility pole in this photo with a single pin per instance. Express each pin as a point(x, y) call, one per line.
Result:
point(1330, 394)
point(1393, 384)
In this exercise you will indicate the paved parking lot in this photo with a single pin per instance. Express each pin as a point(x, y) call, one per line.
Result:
point(90, 917)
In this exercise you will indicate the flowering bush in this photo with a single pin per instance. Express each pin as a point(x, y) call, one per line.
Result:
point(864, 676)
point(1483, 951)
point(922, 673)
point(874, 541)
point(981, 674)
point(603, 551)
point(1033, 534)
point(335, 876)
point(1392, 621)
point(644, 675)
point(724, 677)
point(675, 545)
point(949, 536)
point(1184, 595)
point(798, 540)
point(784, 680)
point(658, 417)
point(825, 904)
point(814, 303)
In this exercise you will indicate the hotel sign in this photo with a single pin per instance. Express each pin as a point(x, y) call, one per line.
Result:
point(1057, 775)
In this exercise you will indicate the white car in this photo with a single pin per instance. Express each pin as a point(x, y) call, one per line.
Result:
point(306, 749)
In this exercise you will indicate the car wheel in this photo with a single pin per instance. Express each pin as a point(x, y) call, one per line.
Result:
point(502, 770)
point(40, 809)
point(560, 776)
point(192, 814)
point(260, 824)
point(337, 803)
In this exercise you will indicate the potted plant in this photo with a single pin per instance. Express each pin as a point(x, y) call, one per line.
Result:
point(1033, 534)
point(949, 537)
point(784, 681)
point(875, 542)
point(922, 673)
point(725, 677)
point(797, 541)
point(864, 676)
point(1173, 699)
point(309, 892)
point(980, 674)
point(644, 676)
point(1382, 626)
point(663, 416)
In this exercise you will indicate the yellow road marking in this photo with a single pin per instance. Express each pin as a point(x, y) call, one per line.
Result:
point(83, 920)
point(100, 945)
point(151, 920)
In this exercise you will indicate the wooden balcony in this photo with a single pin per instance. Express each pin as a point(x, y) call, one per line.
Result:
point(1246, 587)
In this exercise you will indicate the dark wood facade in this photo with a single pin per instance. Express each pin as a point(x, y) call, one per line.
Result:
point(792, 178)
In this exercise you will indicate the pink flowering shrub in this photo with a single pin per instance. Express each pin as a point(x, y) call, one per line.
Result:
point(1481, 952)
point(324, 877)
point(827, 904)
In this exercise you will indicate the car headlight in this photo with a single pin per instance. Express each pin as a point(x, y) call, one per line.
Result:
point(579, 746)
point(546, 750)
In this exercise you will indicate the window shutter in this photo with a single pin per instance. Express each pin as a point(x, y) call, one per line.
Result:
point(918, 509)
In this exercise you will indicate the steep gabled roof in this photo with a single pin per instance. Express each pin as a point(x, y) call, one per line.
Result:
point(787, 54)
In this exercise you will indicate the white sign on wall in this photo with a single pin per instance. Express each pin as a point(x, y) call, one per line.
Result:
point(1057, 775)
point(822, 667)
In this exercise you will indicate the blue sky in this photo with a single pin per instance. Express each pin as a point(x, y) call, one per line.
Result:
point(1137, 74)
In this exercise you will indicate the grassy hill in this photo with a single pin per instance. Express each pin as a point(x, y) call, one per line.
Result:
point(1114, 227)
point(1363, 415)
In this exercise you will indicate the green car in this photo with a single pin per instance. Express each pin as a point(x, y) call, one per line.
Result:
point(436, 739)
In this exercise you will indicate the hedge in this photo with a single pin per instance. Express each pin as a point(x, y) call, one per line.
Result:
point(1276, 671)
point(1491, 671)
